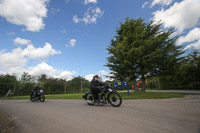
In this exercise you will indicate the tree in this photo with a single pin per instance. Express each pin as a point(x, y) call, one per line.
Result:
point(142, 50)
point(190, 71)
point(26, 84)
point(7, 82)
point(78, 84)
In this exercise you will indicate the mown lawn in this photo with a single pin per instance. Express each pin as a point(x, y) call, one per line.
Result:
point(132, 95)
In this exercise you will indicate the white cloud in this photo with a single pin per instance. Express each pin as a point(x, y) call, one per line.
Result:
point(22, 41)
point(143, 6)
point(195, 45)
point(29, 13)
point(76, 19)
point(90, 16)
point(68, 75)
point(12, 59)
point(161, 2)
point(44, 68)
point(104, 74)
point(89, 77)
point(193, 35)
point(181, 16)
point(72, 43)
point(36, 53)
point(90, 1)
point(19, 57)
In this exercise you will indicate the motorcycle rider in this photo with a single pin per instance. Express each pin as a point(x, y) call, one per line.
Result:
point(35, 90)
point(95, 87)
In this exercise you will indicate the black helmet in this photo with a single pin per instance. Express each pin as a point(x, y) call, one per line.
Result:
point(95, 76)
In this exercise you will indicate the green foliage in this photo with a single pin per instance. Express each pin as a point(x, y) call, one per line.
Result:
point(7, 82)
point(142, 50)
point(184, 76)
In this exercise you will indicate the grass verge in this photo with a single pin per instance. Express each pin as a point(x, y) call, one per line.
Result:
point(132, 95)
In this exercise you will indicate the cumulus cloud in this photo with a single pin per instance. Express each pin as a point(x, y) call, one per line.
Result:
point(14, 62)
point(68, 75)
point(195, 45)
point(143, 6)
point(161, 2)
point(12, 59)
point(89, 77)
point(36, 53)
point(182, 15)
point(29, 13)
point(90, 1)
point(104, 74)
point(90, 16)
point(18, 57)
point(22, 41)
point(44, 68)
point(72, 43)
point(192, 36)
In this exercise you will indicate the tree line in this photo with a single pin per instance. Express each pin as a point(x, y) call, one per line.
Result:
point(24, 85)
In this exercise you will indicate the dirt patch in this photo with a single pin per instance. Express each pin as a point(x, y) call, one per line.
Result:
point(6, 123)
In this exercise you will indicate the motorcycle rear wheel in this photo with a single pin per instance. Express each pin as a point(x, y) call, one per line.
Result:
point(114, 99)
point(90, 98)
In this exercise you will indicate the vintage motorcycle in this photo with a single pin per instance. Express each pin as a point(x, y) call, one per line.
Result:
point(106, 95)
point(39, 96)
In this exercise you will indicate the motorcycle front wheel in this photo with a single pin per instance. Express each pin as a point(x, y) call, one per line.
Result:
point(32, 98)
point(114, 99)
point(42, 98)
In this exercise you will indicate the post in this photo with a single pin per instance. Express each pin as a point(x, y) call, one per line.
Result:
point(65, 87)
point(14, 89)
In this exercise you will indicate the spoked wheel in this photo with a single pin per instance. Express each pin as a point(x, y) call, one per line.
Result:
point(32, 98)
point(89, 99)
point(42, 98)
point(114, 99)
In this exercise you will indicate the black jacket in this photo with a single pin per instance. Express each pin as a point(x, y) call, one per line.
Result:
point(95, 84)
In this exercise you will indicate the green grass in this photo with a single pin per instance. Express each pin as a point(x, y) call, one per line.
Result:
point(133, 95)
point(150, 95)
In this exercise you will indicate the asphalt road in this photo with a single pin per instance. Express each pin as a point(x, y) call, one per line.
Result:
point(178, 115)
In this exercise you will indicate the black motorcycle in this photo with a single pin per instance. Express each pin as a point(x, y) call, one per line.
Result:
point(106, 95)
point(38, 96)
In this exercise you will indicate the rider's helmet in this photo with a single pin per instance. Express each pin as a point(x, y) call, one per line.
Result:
point(95, 76)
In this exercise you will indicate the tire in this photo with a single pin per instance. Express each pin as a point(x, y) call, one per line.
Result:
point(90, 98)
point(114, 99)
point(32, 98)
point(42, 98)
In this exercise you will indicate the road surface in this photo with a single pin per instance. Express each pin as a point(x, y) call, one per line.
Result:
point(178, 115)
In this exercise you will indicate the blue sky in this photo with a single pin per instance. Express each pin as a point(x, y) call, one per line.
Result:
point(67, 38)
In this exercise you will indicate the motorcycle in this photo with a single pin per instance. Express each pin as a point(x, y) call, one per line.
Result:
point(106, 95)
point(38, 96)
